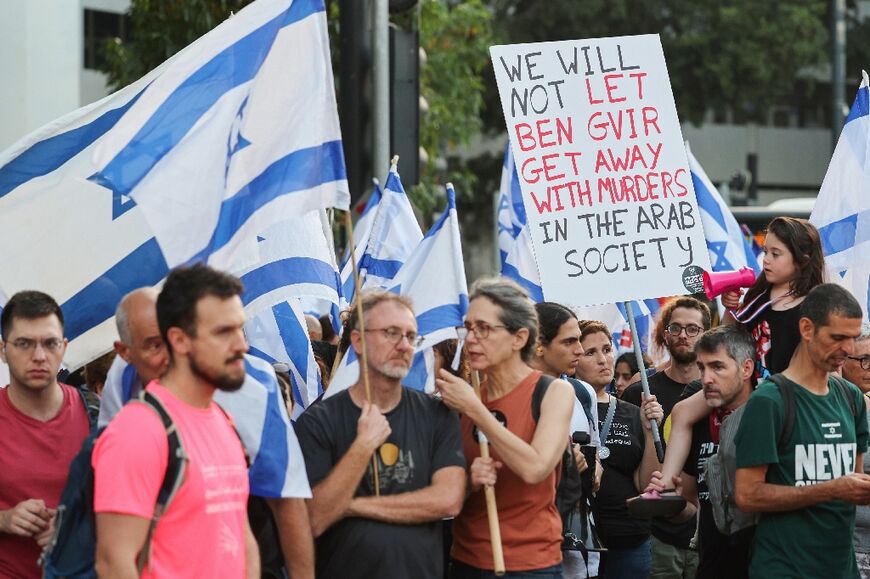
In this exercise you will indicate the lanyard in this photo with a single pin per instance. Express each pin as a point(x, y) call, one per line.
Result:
point(604, 452)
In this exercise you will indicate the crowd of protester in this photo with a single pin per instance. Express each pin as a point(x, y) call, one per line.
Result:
point(761, 405)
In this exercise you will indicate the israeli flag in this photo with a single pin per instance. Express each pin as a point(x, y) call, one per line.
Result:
point(279, 334)
point(394, 235)
point(238, 131)
point(842, 209)
point(84, 240)
point(296, 259)
point(434, 278)
point(520, 265)
point(362, 232)
point(258, 410)
point(510, 213)
point(728, 248)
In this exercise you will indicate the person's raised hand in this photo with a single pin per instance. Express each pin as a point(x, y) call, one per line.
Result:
point(372, 428)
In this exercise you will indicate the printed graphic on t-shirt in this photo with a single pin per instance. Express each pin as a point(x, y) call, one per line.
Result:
point(395, 467)
point(499, 415)
point(620, 433)
point(815, 463)
point(225, 488)
point(761, 336)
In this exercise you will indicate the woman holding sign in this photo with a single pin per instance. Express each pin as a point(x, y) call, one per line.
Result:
point(502, 329)
point(628, 455)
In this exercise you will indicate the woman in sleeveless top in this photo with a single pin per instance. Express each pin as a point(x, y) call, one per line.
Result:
point(502, 329)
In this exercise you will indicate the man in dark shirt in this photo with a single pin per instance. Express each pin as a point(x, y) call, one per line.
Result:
point(416, 444)
point(681, 322)
point(726, 359)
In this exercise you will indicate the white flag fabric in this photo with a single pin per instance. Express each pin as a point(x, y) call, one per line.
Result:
point(394, 235)
point(239, 131)
point(79, 234)
point(842, 209)
point(728, 248)
point(434, 278)
point(295, 259)
point(258, 410)
point(362, 231)
point(279, 334)
point(510, 213)
point(520, 265)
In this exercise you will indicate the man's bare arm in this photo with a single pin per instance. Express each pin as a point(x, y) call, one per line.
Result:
point(294, 531)
point(753, 494)
point(443, 498)
point(120, 538)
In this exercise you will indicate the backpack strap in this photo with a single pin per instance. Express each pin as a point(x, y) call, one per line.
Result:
point(538, 395)
point(172, 478)
point(585, 399)
point(92, 406)
point(843, 386)
point(787, 395)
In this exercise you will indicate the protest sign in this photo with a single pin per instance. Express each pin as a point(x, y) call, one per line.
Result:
point(603, 169)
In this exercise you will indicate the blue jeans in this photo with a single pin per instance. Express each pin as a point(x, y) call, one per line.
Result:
point(459, 570)
point(627, 563)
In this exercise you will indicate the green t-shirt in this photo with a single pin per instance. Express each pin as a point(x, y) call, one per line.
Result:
point(814, 541)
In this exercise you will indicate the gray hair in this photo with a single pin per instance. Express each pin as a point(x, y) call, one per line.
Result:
point(122, 314)
point(737, 342)
point(865, 332)
point(517, 309)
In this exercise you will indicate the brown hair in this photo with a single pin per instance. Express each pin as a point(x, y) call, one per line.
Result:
point(589, 327)
point(668, 310)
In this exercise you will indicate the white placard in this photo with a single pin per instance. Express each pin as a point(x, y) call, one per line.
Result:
point(603, 169)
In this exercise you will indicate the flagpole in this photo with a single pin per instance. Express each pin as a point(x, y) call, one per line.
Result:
point(363, 357)
point(657, 438)
point(489, 493)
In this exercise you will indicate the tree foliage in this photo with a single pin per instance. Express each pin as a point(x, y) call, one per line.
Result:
point(742, 54)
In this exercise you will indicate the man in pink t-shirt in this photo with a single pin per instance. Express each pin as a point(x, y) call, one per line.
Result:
point(204, 531)
point(43, 424)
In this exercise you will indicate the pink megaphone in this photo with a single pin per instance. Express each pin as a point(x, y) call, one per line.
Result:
point(718, 282)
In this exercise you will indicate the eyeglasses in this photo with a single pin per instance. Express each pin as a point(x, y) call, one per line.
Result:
point(691, 330)
point(481, 329)
point(53, 345)
point(394, 336)
point(863, 360)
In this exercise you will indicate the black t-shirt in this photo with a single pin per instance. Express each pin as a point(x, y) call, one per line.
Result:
point(625, 441)
point(667, 391)
point(720, 556)
point(425, 438)
point(776, 335)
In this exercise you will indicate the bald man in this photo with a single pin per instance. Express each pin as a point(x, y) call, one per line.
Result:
point(315, 330)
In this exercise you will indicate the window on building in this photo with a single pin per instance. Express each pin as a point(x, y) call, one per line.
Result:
point(99, 27)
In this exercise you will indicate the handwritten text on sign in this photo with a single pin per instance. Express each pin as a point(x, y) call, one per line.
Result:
point(604, 174)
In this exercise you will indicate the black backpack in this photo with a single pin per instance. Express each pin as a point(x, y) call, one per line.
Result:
point(72, 549)
point(569, 492)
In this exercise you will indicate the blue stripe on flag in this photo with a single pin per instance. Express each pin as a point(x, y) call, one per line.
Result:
point(235, 65)
point(295, 341)
point(289, 271)
point(261, 354)
point(535, 291)
point(861, 106)
point(46, 156)
point(128, 379)
point(300, 170)
point(418, 374)
point(839, 235)
point(446, 316)
point(96, 302)
point(386, 268)
point(707, 202)
point(273, 454)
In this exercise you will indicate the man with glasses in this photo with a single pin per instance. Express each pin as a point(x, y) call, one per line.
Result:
point(43, 424)
point(383, 523)
point(681, 323)
point(806, 482)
